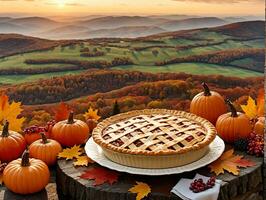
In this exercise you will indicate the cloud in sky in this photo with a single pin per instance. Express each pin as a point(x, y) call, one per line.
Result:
point(222, 1)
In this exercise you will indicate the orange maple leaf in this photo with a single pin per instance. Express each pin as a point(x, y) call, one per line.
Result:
point(3, 101)
point(100, 176)
point(230, 162)
point(62, 112)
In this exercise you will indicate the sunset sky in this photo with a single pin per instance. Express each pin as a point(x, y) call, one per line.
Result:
point(133, 7)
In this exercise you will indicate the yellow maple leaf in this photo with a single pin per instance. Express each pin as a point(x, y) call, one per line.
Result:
point(141, 189)
point(83, 161)
point(10, 113)
point(250, 109)
point(70, 153)
point(229, 162)
point(92, 114)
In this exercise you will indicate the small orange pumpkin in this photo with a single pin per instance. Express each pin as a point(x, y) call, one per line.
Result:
point(208, 104)
point(12, 144)
point(259, 126)
point(233, 125)
point(70, 132)
point(30, 175)
point(45, 150)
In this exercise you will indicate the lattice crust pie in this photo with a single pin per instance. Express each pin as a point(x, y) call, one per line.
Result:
point(154, 138)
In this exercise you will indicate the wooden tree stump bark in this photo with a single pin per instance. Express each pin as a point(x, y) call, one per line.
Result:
point(246, 186)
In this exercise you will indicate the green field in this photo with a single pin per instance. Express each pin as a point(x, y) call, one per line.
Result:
point(193, 68)
point(144, 59)
point(17, 79)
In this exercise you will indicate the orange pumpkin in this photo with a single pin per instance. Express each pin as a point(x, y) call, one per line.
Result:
point(32, 133)
point(259, 126)
point(208, 104)
point(70, 132)
point(92, 123)
point(12, 144)
point(233, 125)
point(30, 175)
point(45, 150)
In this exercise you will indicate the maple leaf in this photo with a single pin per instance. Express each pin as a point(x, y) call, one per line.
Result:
point(10, 113)
point(83, 161)
point(100, 176)
point(230, 162)
point(61, 112)
point(253, 110)
point(92, 114)
point(70, 153)
point(141, 189)
point(250, 109)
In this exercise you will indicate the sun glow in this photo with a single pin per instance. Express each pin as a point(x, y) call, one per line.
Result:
point(60, 3)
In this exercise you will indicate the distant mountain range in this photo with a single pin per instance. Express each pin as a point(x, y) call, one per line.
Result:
point(107, 26)
point(13, 43)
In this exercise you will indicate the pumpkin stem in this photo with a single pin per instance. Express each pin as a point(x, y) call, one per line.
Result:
point(44, 138)
point(25, 162)
point(71, 118)
point(5, 132)
point(206, 89)
point(232, 108)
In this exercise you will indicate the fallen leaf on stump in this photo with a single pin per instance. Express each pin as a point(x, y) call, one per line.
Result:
point(141, 189)
point(230, 162)
point(82, 161)
point(100, 175)
point(71, 153)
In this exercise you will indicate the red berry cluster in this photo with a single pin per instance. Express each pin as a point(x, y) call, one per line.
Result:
point(2, 167)
point(255, 145)
point(34, 129)
point(39, 129)
point(199, 186)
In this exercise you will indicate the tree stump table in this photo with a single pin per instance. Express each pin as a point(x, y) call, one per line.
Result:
point(247, 186)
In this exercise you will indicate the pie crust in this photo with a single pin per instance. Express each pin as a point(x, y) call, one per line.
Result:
point(154, 138)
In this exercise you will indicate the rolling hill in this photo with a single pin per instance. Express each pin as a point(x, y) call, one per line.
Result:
point(111, 22)
point(198, 51)
point(11, 44)
point(192, 23)
point(249, 29)
point(127, 32)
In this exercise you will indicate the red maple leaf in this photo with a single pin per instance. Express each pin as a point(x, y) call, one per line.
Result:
point(61, 111)
point(100, 176)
